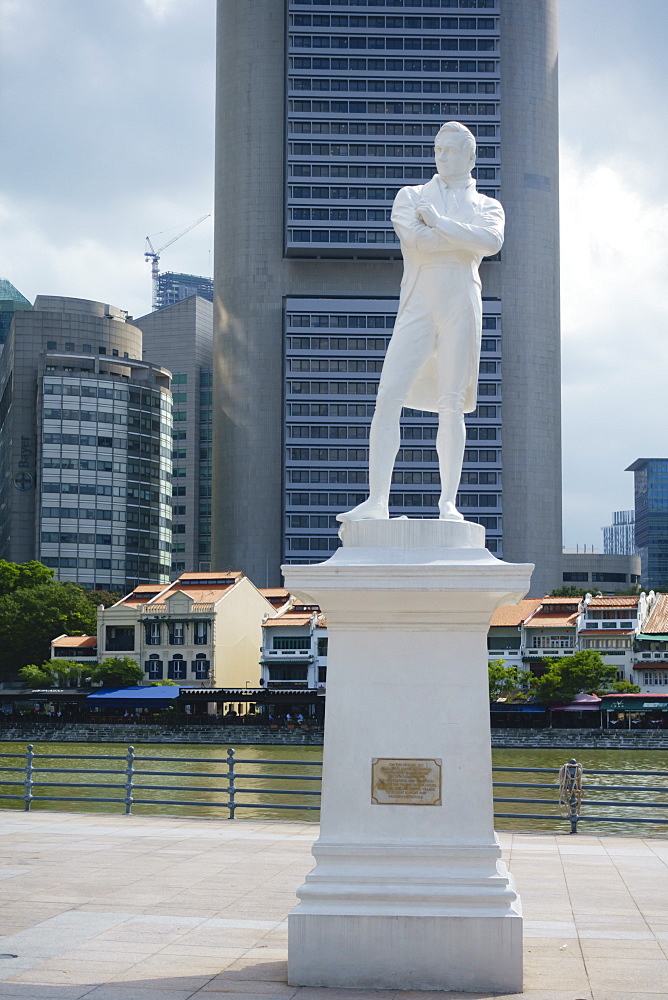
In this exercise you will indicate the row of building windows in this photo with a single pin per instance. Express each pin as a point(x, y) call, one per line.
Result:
point(402, 172)
point(340, 214)
point(83, 514)
point(379, 128)
point(369, 86)
point(95, 391)
point(92, 416)
point(380, 21)
point(606, 643)
point(463, 4)
point(344, 320)
point(475, 500)
point(135, 493)
point(178, 633)
point(370, 237)
point(409, 43)
point(143, 518)
point(389, 65)
point(333, 365)
point(86, 440)
point(154, 401)
point(96, 465)
point(72, 562)
point(460, 109)
point(177, 668)
point(81, 538)
point(655, 678)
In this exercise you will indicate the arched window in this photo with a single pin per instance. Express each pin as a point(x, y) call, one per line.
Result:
point(177, 668)
point(201, 667)
point(153, 667)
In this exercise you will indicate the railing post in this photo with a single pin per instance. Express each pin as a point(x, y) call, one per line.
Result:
point(570, 792)
point(129, 774)
point(28, 783)
point(230, 779)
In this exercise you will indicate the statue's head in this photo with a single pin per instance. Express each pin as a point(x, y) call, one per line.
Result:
point(454, 148)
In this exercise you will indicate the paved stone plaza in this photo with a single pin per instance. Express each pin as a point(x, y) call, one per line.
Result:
point(115, 908)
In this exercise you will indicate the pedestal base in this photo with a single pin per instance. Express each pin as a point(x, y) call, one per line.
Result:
point(406, 952)
point(408, 891)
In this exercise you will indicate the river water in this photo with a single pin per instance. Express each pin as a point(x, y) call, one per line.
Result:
point(200, 771)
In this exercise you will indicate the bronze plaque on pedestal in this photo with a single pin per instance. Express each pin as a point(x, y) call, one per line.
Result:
point(406, 781)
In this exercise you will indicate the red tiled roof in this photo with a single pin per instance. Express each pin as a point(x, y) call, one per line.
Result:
point(657, 623)
point(613, 602)
point(608, 631)
point(296, 621)
point(514, 614)
point(75, 640)
point(542, 620)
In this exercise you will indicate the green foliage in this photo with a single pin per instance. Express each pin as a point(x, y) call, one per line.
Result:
point(17, 576)
point(625, 687)
point(118, 671)
point(31, 616)
point(163, 684)
point(505, 680)
point(35, 677)
point(569, 592)
point(585, 671)
point(56, 674)
point(105, 597)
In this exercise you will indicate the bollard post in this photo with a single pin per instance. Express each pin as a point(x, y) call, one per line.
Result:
point(230, 779)
point(574, 778)
point(27, 796)
point(129, 774)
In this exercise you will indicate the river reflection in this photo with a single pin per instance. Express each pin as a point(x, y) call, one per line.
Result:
point(200, 772)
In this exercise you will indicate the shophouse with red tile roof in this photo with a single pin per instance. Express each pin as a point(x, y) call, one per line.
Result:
point(202, 630)
point(609, 626)
point(294, 650)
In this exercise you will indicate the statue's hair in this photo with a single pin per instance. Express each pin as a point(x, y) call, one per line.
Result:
point(460, 130)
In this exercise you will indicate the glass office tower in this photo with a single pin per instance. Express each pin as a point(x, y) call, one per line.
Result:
point(334, 110)
point(650, 477)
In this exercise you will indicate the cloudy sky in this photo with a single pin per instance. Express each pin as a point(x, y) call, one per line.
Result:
point(106, 133)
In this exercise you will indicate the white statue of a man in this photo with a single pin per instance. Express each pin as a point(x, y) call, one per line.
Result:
point(446, 227)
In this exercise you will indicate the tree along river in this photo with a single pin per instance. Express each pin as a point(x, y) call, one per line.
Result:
point(200, 771)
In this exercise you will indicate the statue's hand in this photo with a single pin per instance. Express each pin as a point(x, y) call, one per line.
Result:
point(428, 214)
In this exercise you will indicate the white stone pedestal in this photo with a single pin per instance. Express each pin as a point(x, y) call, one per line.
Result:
point(408, 896)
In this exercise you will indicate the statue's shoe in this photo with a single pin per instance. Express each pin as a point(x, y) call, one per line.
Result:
point(368, 511)
point(448, 512)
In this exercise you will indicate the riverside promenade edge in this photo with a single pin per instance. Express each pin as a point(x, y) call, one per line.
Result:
point(154, 908)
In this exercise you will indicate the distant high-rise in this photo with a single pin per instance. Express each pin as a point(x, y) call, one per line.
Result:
point(307, 270)
point(181, 337)
point(174, 287)
point(619, 538)
point(85, 445)
point(651, 516)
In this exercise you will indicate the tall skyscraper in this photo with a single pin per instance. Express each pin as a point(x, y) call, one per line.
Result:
point(650, 478)
point(181, 337)
point(619, 538)
point(85, 446)
point(307, 273)
point(174, 287)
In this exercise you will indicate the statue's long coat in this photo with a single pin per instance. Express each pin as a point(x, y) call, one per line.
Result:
point(474, 230)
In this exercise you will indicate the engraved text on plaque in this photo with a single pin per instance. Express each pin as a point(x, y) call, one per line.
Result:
point(406, 781)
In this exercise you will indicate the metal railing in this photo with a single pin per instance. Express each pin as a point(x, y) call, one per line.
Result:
point(128, 779)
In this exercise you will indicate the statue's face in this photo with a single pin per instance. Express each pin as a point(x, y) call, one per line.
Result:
point(453, 159)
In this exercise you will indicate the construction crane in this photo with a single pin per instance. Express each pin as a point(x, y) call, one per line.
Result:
point(153, 255)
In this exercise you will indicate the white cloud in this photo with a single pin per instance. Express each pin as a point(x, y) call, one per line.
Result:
point(614, 253)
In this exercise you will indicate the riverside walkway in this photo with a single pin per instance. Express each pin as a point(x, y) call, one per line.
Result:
point(153, 908)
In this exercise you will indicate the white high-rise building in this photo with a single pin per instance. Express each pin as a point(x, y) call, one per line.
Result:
point(325, 109)
point(619, 538)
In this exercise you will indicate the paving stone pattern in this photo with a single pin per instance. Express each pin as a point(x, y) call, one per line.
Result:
point(154, 908)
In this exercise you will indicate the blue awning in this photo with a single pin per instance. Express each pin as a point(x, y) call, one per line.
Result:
point(138, 697)
point(498, 706)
